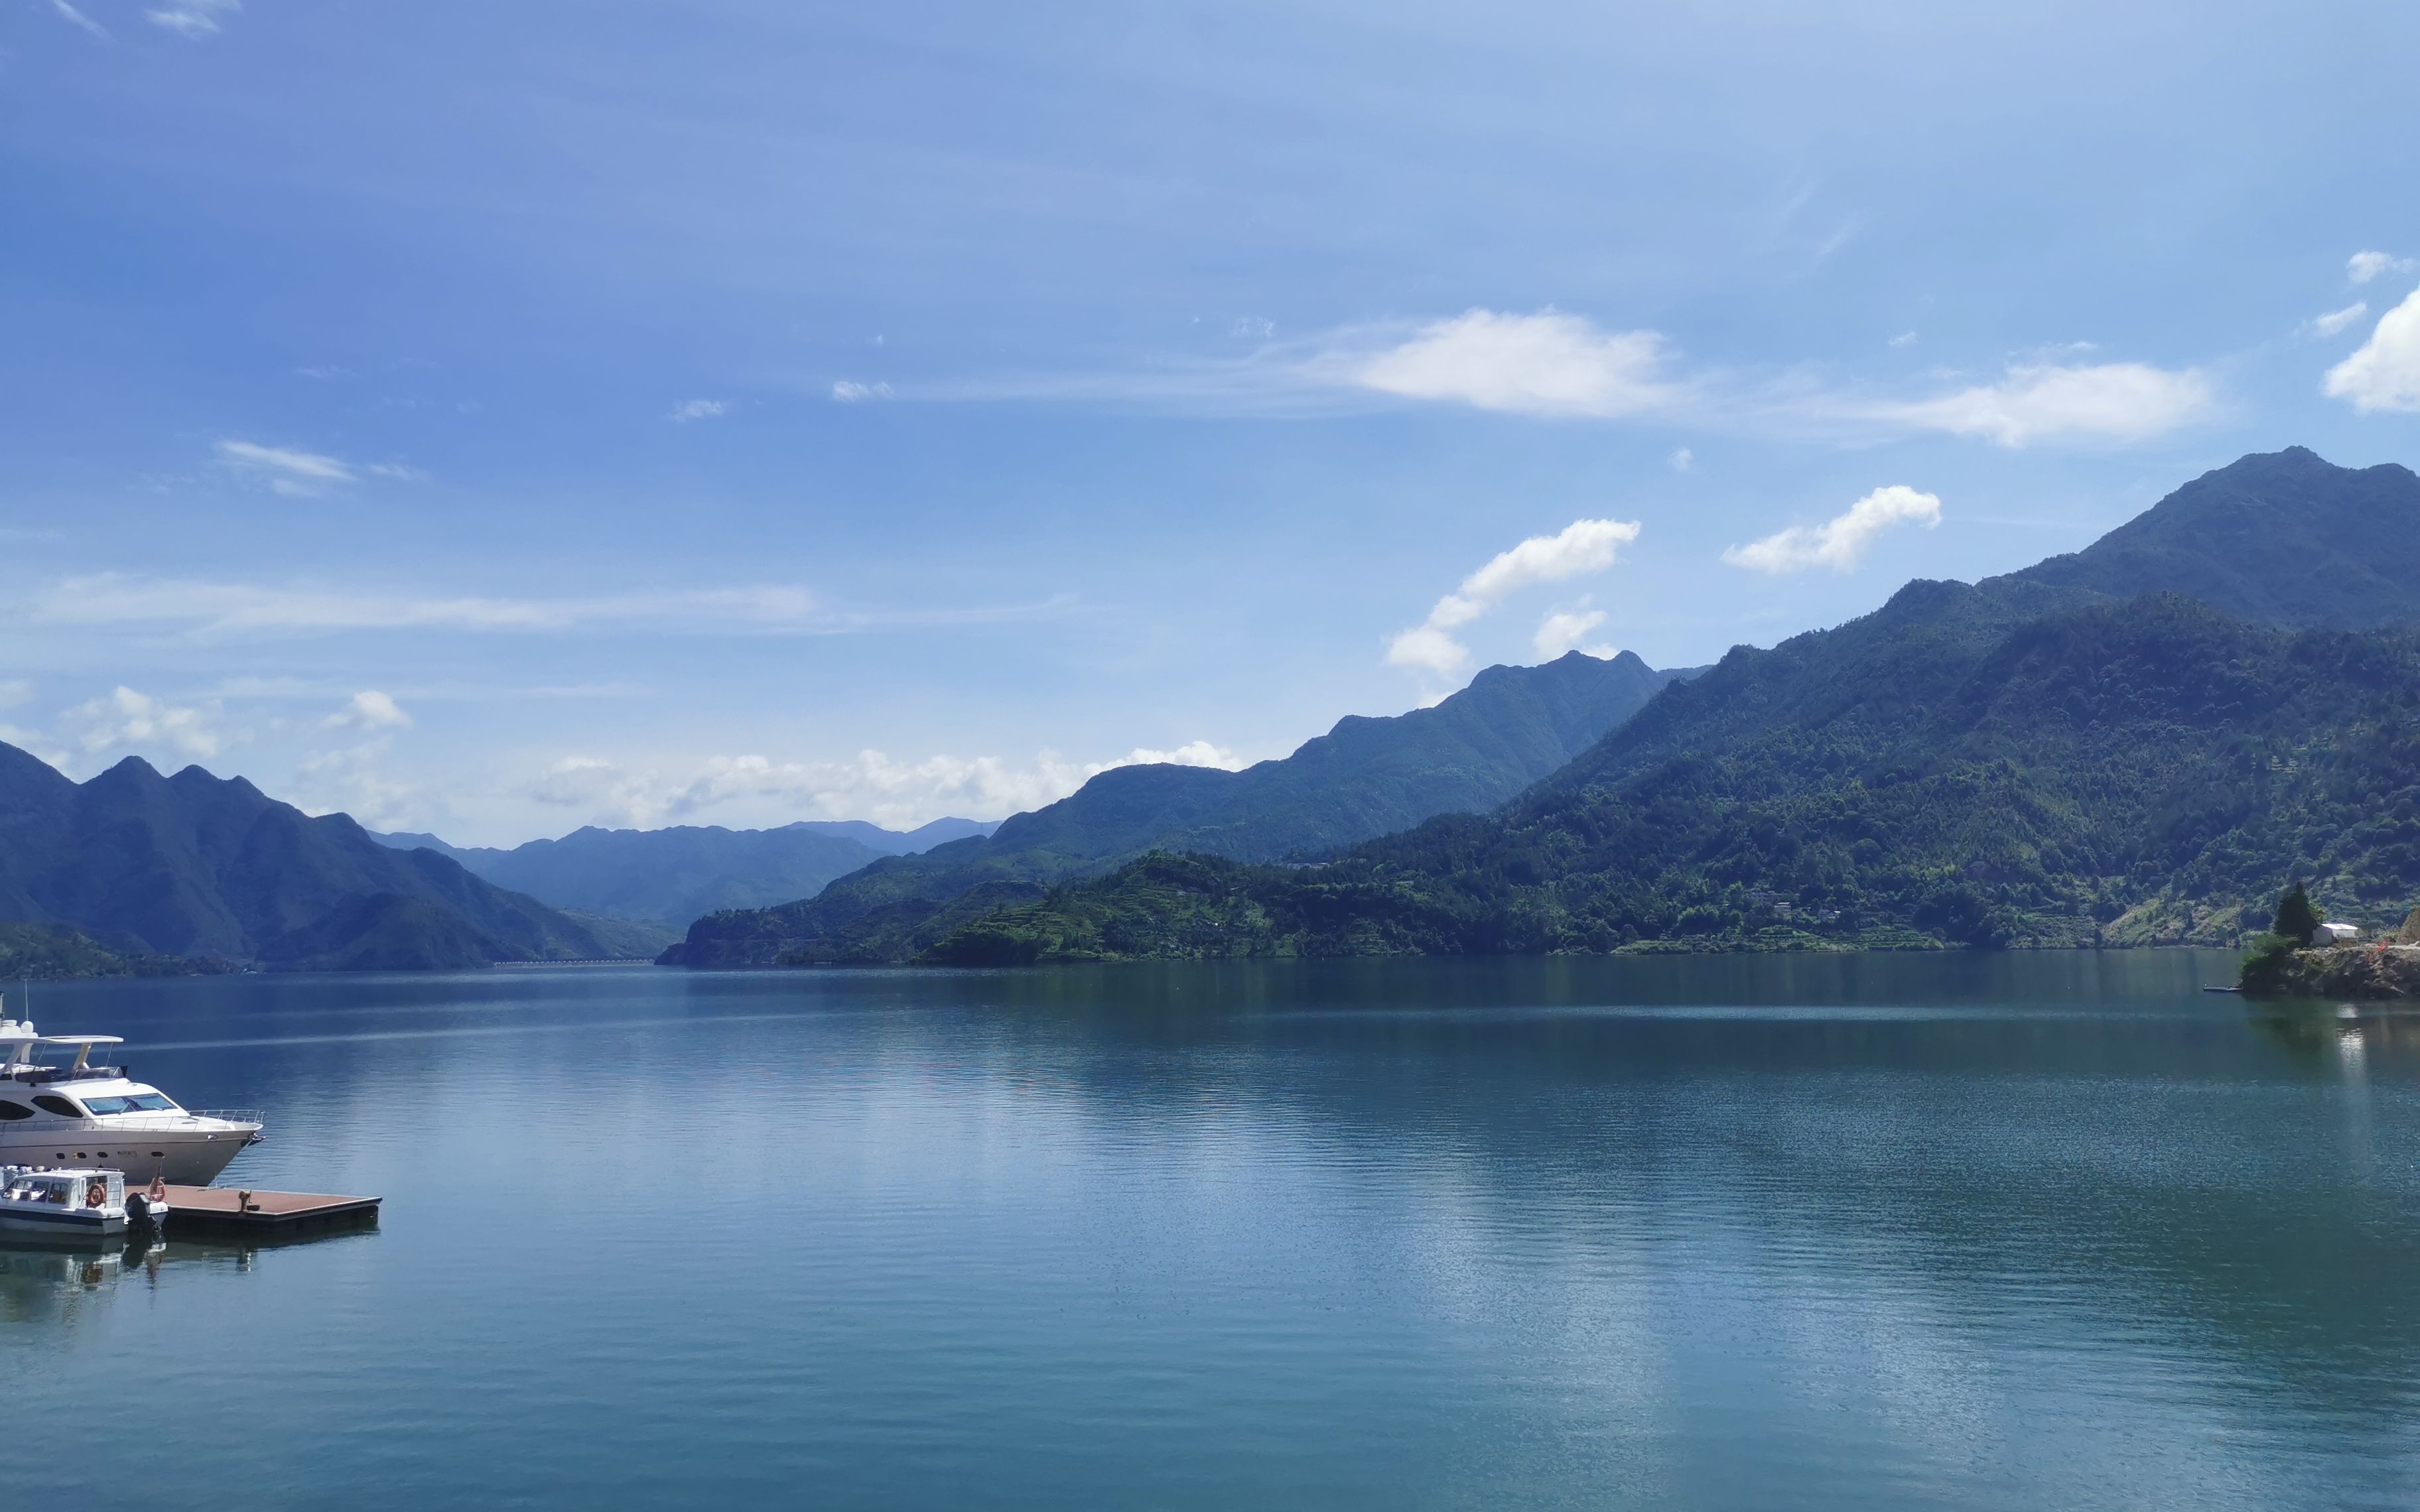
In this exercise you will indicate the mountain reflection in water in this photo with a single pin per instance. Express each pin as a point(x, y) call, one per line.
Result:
point(2051, 1230)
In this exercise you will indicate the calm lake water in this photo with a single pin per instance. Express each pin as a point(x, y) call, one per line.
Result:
point(1972, 1231)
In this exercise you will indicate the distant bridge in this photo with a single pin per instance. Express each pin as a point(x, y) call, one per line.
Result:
point(591, 960)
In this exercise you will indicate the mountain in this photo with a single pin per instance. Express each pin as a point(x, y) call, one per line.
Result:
point(2284, 537)
point(198, 866)
point(671, 876)
point(2027, 761)
point(1365, 778)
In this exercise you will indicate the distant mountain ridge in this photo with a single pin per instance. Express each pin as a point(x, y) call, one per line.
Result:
point(196, 865)
point(2027, 761)
point(671, 876)
point(1365, 778)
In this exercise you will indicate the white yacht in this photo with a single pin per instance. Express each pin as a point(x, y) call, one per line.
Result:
point(83, 1114)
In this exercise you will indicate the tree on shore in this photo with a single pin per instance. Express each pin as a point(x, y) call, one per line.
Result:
point(2296, 919)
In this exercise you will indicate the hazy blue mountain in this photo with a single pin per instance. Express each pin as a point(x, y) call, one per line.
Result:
point(196, 865)
point(670, 876)
point(1366, 777)
point(2284, 537)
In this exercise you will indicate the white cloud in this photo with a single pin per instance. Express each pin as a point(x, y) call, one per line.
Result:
point(846, 392)
point(126, 719)
point(2384, 372)
point(1841, 542)
point(1585, 545)
point(77, 18)
point(1682, 459)
point(1905, 338)
point(2099, 401)
point(688, 410)
point(13, 691)
point(349, 781)
point(370, 709)
point(221, 609)
point(2335, 320)
point(2364, 266)
point(284, 469)
point(1547, 363)
point(194, 17)
point(1564, 630)
point(875, 786)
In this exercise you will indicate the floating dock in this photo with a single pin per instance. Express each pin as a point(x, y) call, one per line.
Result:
point(241, 1212)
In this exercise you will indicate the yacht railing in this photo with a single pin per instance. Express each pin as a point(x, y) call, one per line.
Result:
point(180, 1120)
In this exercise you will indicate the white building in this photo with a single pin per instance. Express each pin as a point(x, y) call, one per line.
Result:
point(2336, 934)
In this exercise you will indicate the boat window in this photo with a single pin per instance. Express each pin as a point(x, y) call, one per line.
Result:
point(65, 1109)
point(13, 1112)
point(138, 1102)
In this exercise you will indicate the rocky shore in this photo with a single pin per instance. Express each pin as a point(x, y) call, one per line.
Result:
point(2347, 971)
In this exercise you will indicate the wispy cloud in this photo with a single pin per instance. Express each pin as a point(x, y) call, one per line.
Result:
point(368, 709)
point(1547, 363)
point(847, 391)
point(194, 17)
point(688, 410)
point(2044, 402)
point(1583, 547)
point(1555, 364)
point(287, 469)
point(2361, 267)
point(129, 719)
point(215, 610)
point(2384, 372)
point(875, 786)
point(1841, 542)
point(77, 18)
point(2337, 320)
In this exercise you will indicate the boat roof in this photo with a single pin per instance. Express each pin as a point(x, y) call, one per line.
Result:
point(79, 1039)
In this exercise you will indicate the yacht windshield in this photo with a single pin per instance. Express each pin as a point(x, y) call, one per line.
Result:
point(138, 1102)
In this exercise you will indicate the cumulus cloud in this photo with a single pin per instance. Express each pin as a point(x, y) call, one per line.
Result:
point(2093, 402)
point(846, 392)
point(1683, 459)
point(2335, 320)
point(1841, 542)
point(368, 709)
point(127, 719)
point(688, 410)
point(2361, 267)
point(900, 794)
point(1547, 363)
point(2384, 372)
point(1565, 630)
point(1583, 547)
point(353, 779)
point(78, 19)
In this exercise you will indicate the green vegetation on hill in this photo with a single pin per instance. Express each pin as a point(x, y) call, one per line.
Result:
point(1365, 778)
point(44, 952)
point(2112, 774)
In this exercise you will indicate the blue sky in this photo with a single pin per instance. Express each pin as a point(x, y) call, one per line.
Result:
point(495, 419)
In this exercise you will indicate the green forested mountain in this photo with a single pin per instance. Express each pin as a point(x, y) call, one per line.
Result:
point(196, 866)
point(1365, 778)
point(2029, 761)
point(2282, 536)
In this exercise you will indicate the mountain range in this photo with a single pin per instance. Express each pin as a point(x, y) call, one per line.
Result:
point(2077, 753)
point(667, 877)
point(1365, 778)
point(199, 867)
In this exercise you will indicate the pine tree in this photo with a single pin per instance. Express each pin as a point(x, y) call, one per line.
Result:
point(2296, 919)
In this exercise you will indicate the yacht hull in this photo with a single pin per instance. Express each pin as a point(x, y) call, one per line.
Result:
point(20, 1222)
point(180, 1157)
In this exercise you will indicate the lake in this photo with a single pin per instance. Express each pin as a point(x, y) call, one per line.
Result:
point(2049, 1230)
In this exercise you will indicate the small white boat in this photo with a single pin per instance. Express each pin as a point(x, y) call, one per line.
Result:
point(36, 1202)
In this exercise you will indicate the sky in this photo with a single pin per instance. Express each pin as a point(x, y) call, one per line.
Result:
point(494, 419)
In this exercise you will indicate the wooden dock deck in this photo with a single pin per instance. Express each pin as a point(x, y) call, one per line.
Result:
point(228, 1212)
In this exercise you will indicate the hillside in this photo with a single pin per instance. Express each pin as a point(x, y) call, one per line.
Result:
point(197, 866)
point(2284, 537)
point(1365, 778)
point(2132, 773)
point(667, 877)
point(2025, 761)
